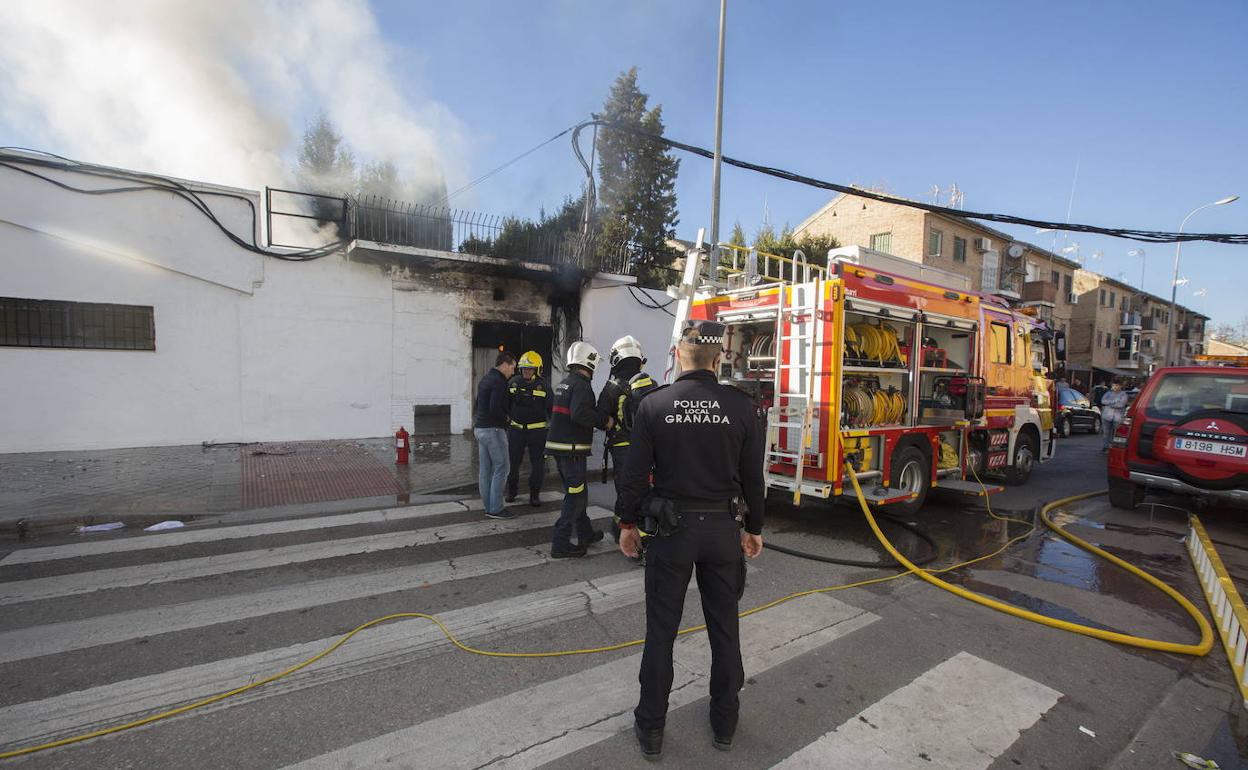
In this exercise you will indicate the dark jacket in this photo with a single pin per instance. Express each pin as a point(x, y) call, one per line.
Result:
point(574, 417)
point(703, 442)
point(490, 410)
point(619, 398)
point(530, 402)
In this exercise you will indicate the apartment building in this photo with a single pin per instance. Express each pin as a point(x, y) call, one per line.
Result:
point(993, 261)
point(1112, 327)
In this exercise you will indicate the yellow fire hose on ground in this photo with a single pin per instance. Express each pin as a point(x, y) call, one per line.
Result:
point(929, 575)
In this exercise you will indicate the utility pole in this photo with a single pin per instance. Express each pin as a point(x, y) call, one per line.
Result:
point(719, 151)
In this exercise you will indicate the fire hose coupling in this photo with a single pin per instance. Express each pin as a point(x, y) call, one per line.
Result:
point(854, 460)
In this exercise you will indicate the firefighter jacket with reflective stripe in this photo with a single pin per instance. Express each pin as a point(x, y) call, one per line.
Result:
point(530, 402)
point(574, 417)
point(619, 398)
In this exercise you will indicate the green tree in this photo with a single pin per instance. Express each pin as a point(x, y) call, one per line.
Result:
point(636, 176)
point(326, 163)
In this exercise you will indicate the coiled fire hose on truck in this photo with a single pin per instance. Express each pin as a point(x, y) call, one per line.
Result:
point(1201, 648)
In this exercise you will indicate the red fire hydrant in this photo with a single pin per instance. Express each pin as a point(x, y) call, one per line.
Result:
point(402, 446)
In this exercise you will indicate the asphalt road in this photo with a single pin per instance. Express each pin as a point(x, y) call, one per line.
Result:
point(897, 674)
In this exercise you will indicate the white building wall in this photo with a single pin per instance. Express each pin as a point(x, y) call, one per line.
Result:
point(609, 311)
point(248, 347)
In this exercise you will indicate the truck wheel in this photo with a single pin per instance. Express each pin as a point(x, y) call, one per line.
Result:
point(1025, 454)
point(910, 473)
point(1125, 494)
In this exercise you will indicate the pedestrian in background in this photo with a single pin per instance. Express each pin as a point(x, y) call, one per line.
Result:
point(1113, 409)
point(572, 422)
point(490, 429)
point(529, 413)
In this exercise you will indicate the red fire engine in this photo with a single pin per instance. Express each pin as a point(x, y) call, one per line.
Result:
point(919, 384)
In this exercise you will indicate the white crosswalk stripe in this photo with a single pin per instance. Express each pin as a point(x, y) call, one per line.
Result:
point(36, 589)
point(593, 705)
point(54, 638)
point(215, 534)
point(960, 715)
point(382, 647)
point(963, 713)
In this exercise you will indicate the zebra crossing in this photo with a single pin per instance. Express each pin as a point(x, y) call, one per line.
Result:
point(105, 638)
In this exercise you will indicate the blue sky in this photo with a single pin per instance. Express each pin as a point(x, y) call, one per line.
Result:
point(1000, 98)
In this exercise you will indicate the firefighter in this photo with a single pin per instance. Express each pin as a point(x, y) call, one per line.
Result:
point(572, 421)
point(705, 447)
point(530, 400)
point(626, 386)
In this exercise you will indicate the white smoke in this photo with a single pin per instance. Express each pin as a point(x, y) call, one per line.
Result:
point(215, 91)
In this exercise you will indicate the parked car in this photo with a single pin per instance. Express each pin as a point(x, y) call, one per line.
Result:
point(1075, 412)
point(1187, 432)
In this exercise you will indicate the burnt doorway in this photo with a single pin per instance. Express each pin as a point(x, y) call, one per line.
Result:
point(491, 337)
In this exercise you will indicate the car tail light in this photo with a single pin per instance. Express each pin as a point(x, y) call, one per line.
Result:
point(1121, 433)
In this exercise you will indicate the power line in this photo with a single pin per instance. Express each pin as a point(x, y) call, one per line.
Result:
point(516, 159)
point(1149, 236)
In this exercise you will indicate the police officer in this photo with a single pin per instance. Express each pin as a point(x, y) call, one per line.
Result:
point(572, 422)
point(530, 401)
point(705, 447)
point(626, 386)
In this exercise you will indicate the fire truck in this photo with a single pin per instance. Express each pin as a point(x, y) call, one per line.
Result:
point(899, 368)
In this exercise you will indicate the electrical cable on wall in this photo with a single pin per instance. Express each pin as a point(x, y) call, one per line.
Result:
point(144, 182)
point(1148, 236)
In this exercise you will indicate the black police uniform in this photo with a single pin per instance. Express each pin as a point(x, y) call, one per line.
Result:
point(570, 440)
point(705, 446)
point(530, 403)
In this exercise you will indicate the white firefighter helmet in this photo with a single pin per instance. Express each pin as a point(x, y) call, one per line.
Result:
point(625, 347)
point(583, 354)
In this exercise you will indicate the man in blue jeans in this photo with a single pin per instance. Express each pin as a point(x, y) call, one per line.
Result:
point(490, 428)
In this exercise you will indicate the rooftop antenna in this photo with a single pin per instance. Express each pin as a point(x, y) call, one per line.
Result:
point(935, 193)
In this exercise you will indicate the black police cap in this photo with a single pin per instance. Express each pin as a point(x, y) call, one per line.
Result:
point(697, 332)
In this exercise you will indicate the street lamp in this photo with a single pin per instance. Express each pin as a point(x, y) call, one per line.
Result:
point(1174, 283)
point(1143, 261)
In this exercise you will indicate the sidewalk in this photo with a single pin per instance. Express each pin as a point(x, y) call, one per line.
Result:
point(148, 484)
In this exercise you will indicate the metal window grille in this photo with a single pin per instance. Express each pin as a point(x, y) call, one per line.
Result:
point(882, 242)
point(43, 323)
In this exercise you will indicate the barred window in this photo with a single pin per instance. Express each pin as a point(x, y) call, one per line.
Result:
point(44, 323)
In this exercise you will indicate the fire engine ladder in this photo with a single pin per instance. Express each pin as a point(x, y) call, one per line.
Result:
point(796, 378)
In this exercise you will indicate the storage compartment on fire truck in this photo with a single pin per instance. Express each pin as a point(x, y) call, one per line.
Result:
point(749, 360)
point(876, 368)
point(947, 351)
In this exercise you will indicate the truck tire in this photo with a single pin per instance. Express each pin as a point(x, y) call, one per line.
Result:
point(911, 472)
point(1125, 494)
point(1026, 453)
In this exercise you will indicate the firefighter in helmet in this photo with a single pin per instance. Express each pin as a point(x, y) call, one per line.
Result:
point(530, 401)
point(626, 386)
point(572, 421)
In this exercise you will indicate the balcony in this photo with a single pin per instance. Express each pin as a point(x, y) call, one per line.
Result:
point(1039, 292)
point(1129, 321)
point(1149, 324)
point(1185, 333)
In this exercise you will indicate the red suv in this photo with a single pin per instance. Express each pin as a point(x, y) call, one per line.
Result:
point(1186, 432)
